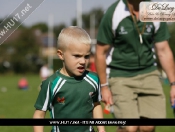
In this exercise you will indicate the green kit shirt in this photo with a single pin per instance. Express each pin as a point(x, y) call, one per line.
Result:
point(128, 57)
point(69, 97)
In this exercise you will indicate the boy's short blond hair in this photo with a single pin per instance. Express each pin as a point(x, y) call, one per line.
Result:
point(72, 34)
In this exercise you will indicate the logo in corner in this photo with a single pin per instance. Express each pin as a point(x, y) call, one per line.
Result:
point(61, 100)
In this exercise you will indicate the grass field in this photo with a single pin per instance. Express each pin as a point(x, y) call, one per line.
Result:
point(16, 103)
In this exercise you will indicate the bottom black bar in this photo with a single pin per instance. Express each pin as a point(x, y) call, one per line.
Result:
point(92, 122)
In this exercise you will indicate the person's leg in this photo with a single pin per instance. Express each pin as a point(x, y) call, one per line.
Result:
point(147, 129)
point(125, 101)
point(136, 128)
point(128, 129)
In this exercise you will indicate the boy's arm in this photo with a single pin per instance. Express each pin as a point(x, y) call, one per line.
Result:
point(98, 113)
point(39, 114)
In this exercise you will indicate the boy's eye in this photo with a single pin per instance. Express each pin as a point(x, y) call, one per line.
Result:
point(77, 56)
point(87, 56)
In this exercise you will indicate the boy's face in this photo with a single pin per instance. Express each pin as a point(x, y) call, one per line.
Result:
point(75, 59)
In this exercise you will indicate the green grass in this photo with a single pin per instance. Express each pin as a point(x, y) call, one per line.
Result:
point(15, 103)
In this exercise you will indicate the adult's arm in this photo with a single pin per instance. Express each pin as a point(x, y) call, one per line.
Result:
point(166, 59)
point(100, 62)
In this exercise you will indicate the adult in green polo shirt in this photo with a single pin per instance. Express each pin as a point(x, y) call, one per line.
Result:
point(125, 62)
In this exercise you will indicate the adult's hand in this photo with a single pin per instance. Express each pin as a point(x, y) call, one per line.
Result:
point(172, 95)
point(106, 95)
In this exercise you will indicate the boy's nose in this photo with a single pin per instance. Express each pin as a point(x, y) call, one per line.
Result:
point(82, 61)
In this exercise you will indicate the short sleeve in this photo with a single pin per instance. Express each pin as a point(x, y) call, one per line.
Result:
point(105, 34)
point(162, 33)
point(43, 100)
point(97, 96)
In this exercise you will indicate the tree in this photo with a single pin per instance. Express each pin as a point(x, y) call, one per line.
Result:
point(58, 28)
point(41, 26)
point(25, 53)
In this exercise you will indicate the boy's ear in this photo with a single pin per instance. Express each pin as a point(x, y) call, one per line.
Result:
point(60, 54)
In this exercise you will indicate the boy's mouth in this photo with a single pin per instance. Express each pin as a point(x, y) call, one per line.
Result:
point(81, 69)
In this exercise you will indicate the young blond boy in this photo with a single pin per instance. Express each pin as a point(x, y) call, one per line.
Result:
point(72, 91)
